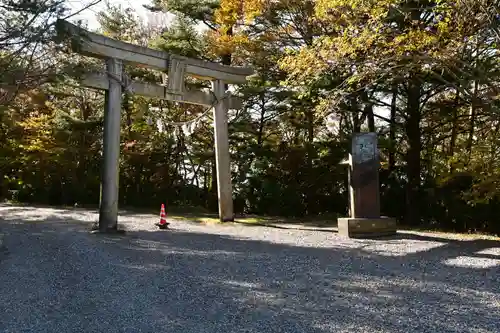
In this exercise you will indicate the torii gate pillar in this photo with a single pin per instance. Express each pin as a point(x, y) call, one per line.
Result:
point(222, 156)
point(108, 206)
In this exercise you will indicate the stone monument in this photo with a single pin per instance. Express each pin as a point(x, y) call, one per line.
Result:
point(364, 192)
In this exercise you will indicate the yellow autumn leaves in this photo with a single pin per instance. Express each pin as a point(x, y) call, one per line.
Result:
point(356, 31)
point(231, 11)
point(230, 17)
point(349, 10)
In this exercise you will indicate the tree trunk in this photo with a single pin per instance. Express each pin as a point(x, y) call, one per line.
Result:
point(472, 125)
point(128, 112)
point(311, 200)
point(356, 121)
point(213, 202)
point(454, 130)
point(206, 188)
point(413, 166)
point(178, 159)
point(227, 58)
point(392, 130)
point(260, 133)
point(368, 111)
point(371, 118)
point(341, 128)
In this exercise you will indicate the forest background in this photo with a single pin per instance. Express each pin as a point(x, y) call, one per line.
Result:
point(423, 74)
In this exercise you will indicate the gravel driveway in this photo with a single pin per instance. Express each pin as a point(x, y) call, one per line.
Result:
point(56, 277)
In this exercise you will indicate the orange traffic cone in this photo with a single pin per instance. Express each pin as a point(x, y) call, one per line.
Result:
point(163, 218)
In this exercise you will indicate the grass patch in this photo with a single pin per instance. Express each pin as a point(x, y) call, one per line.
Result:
point(322, 221)
point(255, 220)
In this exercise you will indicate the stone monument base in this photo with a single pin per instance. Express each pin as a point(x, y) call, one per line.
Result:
point(366, 227)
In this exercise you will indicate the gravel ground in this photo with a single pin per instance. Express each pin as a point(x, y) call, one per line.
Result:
point(56, 277)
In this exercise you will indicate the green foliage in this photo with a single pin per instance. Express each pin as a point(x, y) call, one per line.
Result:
point(182, 38)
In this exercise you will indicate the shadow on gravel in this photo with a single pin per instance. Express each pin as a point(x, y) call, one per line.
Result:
point(291, 226)
point(198, 282)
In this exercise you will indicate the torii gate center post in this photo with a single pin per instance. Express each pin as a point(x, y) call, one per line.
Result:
point(116, 53)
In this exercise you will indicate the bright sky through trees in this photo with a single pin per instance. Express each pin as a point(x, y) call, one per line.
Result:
point(89, 15)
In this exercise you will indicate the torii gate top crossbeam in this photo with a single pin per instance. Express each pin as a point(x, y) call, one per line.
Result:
point(99, 46)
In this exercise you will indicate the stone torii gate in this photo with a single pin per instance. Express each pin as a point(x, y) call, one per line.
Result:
point(116, 53)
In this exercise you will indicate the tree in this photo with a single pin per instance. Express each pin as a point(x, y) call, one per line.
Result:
point(26, 43)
